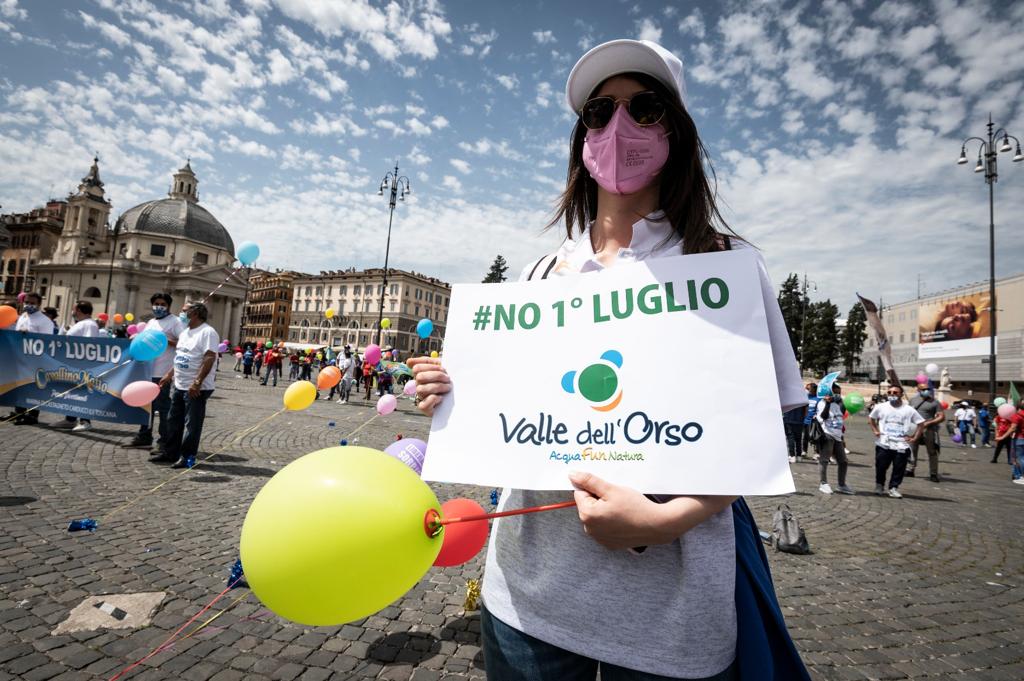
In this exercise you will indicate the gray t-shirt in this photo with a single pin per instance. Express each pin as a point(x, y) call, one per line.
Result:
point(929, 409)
point(670, 610)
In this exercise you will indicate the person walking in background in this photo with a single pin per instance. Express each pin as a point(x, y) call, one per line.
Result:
point(812, 409)
point(272, 359)
point(1004, 439)
point(965, 420)
point(347, 365)
point(238, 357)
point(51, 312)
point(248, 358)
point(830, 416)
point(793, 423)
point(892, 424)
point(293, 367)
point(368, 372)
point(306, 371)
point(984, 424)
point(192, 378)
point(1017, 433)
point(258, 361)
point(931, 411)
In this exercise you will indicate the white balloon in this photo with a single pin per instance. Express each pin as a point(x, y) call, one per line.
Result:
point(932, 369)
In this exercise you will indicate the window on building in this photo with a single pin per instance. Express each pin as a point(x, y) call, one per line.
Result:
point(319, 290)
point(309, 291)
point(417, 312)
point(91, 292)
point(913, 314)
point(430, 296)
point(329, 290)
point(366, 306)
point(363, 339)
point(902, 316)
point(157, 250)
point(394, 304)
point(913, 336)
point(56, 302)
point(405, 308)
point(318, 305)
point(901, 338)
point(202, 258)
point(394, 289)
point(307, 306)
point(341, 307)
point(356, 290)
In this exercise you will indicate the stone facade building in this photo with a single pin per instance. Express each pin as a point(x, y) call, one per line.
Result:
point(32, 237)
point(173, 245)
point(355, 297)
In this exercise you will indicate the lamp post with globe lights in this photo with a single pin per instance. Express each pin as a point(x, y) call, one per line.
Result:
point(399, 187)
point(987, 163)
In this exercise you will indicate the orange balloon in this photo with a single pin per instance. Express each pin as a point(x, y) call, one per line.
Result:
point(8, 316)
point(328, 378)
point(118, 318)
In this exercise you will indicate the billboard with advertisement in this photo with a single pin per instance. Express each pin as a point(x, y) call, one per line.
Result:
point(954, 328)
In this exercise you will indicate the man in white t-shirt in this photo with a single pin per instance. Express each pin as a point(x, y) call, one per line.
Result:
point(83, 327)
point(172, 327)
point(966, 420)
point(830, 415)
point(192, 378)
point(32, 320)
point(895, 426)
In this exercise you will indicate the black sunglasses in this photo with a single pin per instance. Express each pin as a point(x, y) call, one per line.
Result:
point(645, 108)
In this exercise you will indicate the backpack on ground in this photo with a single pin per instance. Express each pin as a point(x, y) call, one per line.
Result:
point(787, 535)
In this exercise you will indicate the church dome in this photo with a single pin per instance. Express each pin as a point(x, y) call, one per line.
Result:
point(177, 218)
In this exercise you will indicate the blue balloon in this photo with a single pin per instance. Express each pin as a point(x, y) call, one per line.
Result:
point(247, 253)
point(148, 345)
point(424, 328)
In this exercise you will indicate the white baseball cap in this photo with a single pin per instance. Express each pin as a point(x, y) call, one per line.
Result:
point(623, 56)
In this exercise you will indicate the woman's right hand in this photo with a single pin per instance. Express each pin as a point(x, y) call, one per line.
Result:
point(432, 382)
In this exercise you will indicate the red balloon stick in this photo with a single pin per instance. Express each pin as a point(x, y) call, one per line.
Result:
point(433, 521)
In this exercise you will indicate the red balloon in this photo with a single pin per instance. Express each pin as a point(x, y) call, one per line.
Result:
point(461, 541)
point(944, 405)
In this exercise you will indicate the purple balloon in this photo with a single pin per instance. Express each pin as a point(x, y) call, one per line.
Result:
point(957, 437)
point(409, 451)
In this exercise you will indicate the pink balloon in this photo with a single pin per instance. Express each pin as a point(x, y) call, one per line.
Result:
point(132, 329)
point(140, 327)
point(386, 404)
point(139, 393)
point(922, 379)
point(21, 297)
point(410, 388)
point(1006, 410)
point(238, 355)
point(372, 354)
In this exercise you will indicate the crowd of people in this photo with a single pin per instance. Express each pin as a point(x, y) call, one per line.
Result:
point(900, 428)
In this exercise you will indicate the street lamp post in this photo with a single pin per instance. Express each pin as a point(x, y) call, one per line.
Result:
point(110, 270)
point(987, 149)
point(395, 182)
point(803, 317)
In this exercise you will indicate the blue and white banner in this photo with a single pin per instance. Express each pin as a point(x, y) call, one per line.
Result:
point(35, 368)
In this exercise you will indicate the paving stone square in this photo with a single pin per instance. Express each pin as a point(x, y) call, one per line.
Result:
point(927, 586)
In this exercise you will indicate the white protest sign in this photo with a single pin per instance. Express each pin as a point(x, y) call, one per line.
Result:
point(656, 375)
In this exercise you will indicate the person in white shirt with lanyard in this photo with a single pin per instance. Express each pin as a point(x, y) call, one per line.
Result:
point(32, 320)
point(895, 426)
point(84, 327)
point(172, 327)
point(192, 378)
point(563, 596)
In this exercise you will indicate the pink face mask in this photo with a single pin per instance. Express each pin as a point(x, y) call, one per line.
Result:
point(624, 157)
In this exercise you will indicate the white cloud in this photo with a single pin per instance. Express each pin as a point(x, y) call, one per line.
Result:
point(415, 110)
point(171, 80)
point(693, 24)
point(460, 165)
point(381, 110)
point(647, 29)
point(451, 182)
point(544, 37)
point(418, 127)
point(545, 95)
point(110, 32)
point(281, 70)
point(339, 124)
point(857, 122)
point(509, 82)
point(803, 77)
point(246, 147)
point(861, 43)
point(417, 157)
point(439, 122)
point(10, 9)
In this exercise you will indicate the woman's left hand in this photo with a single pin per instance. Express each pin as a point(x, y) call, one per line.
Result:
point(620, 517)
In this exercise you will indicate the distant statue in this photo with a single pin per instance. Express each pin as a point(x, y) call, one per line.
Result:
point(884, 385)
point(944, 382)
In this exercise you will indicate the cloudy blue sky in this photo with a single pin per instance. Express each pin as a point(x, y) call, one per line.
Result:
point(833, 126)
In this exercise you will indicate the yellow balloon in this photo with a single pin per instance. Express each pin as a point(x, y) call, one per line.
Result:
point(385, 323)
point(338, 535)
point(329, 313)
point(129, 317)
point(299, 395)
point(433, 353)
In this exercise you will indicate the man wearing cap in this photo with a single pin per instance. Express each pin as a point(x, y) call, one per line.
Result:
point(932, 413)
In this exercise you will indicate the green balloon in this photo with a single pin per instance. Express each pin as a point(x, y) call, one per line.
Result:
point(854, 402)
point(269, 344)
point(999, 401)
point(338, 535)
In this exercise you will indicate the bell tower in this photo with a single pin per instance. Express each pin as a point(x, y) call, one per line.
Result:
point(185, 185)
point(85, 222)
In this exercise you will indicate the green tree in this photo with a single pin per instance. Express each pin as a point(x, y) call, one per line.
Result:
point(852, 339)
point(497, 272)
point(821, 342)
point(792, 303)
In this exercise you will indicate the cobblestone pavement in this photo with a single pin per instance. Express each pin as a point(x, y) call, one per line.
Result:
point(928, 586)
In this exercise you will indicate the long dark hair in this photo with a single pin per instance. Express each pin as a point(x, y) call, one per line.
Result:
point(685, 195)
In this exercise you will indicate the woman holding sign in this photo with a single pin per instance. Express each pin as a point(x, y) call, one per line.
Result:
point(563, 595)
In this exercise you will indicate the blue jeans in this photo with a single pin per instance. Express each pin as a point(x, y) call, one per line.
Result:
point(161, 405)
point(511, 655)
point(1018, 464)
point(965, 430)
point(185, 423)
point(274, 369)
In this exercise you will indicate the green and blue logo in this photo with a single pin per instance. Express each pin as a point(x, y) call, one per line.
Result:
point(598, 383)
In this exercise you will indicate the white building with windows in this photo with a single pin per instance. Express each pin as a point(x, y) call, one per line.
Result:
point(355, 297)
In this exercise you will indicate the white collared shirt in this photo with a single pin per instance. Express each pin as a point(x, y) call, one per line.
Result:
point(36, 322)
point(87, 328)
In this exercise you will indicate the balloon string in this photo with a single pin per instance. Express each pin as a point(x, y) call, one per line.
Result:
point(221, 284)
point(66, 392)
point(177, 631)
point(185, 471)
point(502, 514)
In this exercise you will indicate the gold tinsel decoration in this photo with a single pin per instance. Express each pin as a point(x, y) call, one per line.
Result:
point(472, 595)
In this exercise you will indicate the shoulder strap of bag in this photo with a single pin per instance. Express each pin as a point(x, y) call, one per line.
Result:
point(547, 270)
